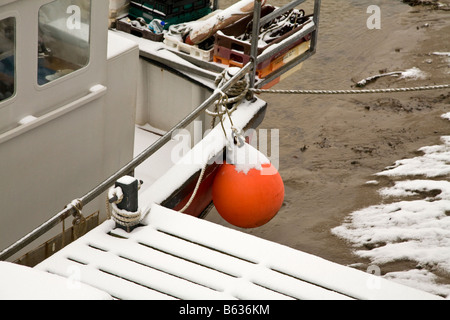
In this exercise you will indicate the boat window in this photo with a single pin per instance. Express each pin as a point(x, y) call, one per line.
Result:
point(7, 58)
point(64, 38)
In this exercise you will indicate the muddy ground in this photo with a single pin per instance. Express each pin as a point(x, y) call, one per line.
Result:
point(330, 146)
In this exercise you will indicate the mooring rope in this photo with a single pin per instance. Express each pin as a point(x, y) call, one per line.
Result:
point(233, 97)
point(122, 217)
point(361, 91)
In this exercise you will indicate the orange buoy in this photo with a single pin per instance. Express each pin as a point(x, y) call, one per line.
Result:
point(248, 199)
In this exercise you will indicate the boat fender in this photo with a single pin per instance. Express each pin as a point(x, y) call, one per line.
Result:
point(247, 194)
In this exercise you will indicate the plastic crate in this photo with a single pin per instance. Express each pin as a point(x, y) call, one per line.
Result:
point(227, 38)
point(292, 54)
point(233, 52)
point(282, 77)
point(231, 57)
point(125, 25)
point(171, 11)
point(194, 51)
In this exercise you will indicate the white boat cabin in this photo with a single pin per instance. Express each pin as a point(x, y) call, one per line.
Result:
point(69, 91)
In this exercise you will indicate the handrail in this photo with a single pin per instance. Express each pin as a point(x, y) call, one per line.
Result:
point(109, 182)
point(278, 12)
point(94, 93)
point(249, 68)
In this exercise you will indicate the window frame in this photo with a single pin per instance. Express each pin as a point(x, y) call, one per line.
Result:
point(5, 16)
point(74, 73)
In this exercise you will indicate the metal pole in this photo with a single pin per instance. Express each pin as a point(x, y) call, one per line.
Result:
point(316, 19)
point(270, 52)
point(280, 11)
point(254, 42)
point(104, 186)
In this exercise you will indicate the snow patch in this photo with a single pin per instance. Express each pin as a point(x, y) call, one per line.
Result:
point(413, 73)
point(443, 54)
point(446, 116)
point(246, 158)
point(435, 162)
point(420, 279)
point(22, 283)
point(447, 54)
point(414, 226)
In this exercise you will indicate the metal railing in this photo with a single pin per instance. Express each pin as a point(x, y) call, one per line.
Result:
point(72, 210)
point(109, 182)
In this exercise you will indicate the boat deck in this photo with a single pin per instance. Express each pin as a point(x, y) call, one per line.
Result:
point(176, 256)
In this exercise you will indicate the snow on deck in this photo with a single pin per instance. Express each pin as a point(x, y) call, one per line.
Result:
point(18, 282)
point(176, 256)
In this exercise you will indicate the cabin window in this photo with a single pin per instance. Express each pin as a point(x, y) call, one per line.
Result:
point(64, 38)
point(7, 58)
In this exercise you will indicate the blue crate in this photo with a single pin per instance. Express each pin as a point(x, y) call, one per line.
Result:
point(171, 11)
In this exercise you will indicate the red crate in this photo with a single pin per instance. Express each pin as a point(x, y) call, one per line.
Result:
point(234, 58)
point(282, 77)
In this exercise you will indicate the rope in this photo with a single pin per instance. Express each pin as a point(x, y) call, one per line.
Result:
point(197, 186)
point(125, 218)
point(230, 100)
point(365, 91)
point(122, 217)
point(233, 97)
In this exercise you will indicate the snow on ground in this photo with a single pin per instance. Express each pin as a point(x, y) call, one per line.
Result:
point(413, 73)
point(414, 222)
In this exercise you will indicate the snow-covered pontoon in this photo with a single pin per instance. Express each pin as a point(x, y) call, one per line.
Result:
point(86, 107)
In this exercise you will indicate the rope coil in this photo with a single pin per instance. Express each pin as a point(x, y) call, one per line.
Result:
point(229, 101)
point(233, 97)
point(122, 217)
point(125, 218)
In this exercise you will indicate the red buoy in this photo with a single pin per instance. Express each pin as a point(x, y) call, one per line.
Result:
point(248, 199)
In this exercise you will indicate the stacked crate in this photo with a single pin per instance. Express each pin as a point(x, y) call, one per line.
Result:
point(170, 11)
point(230, 51)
